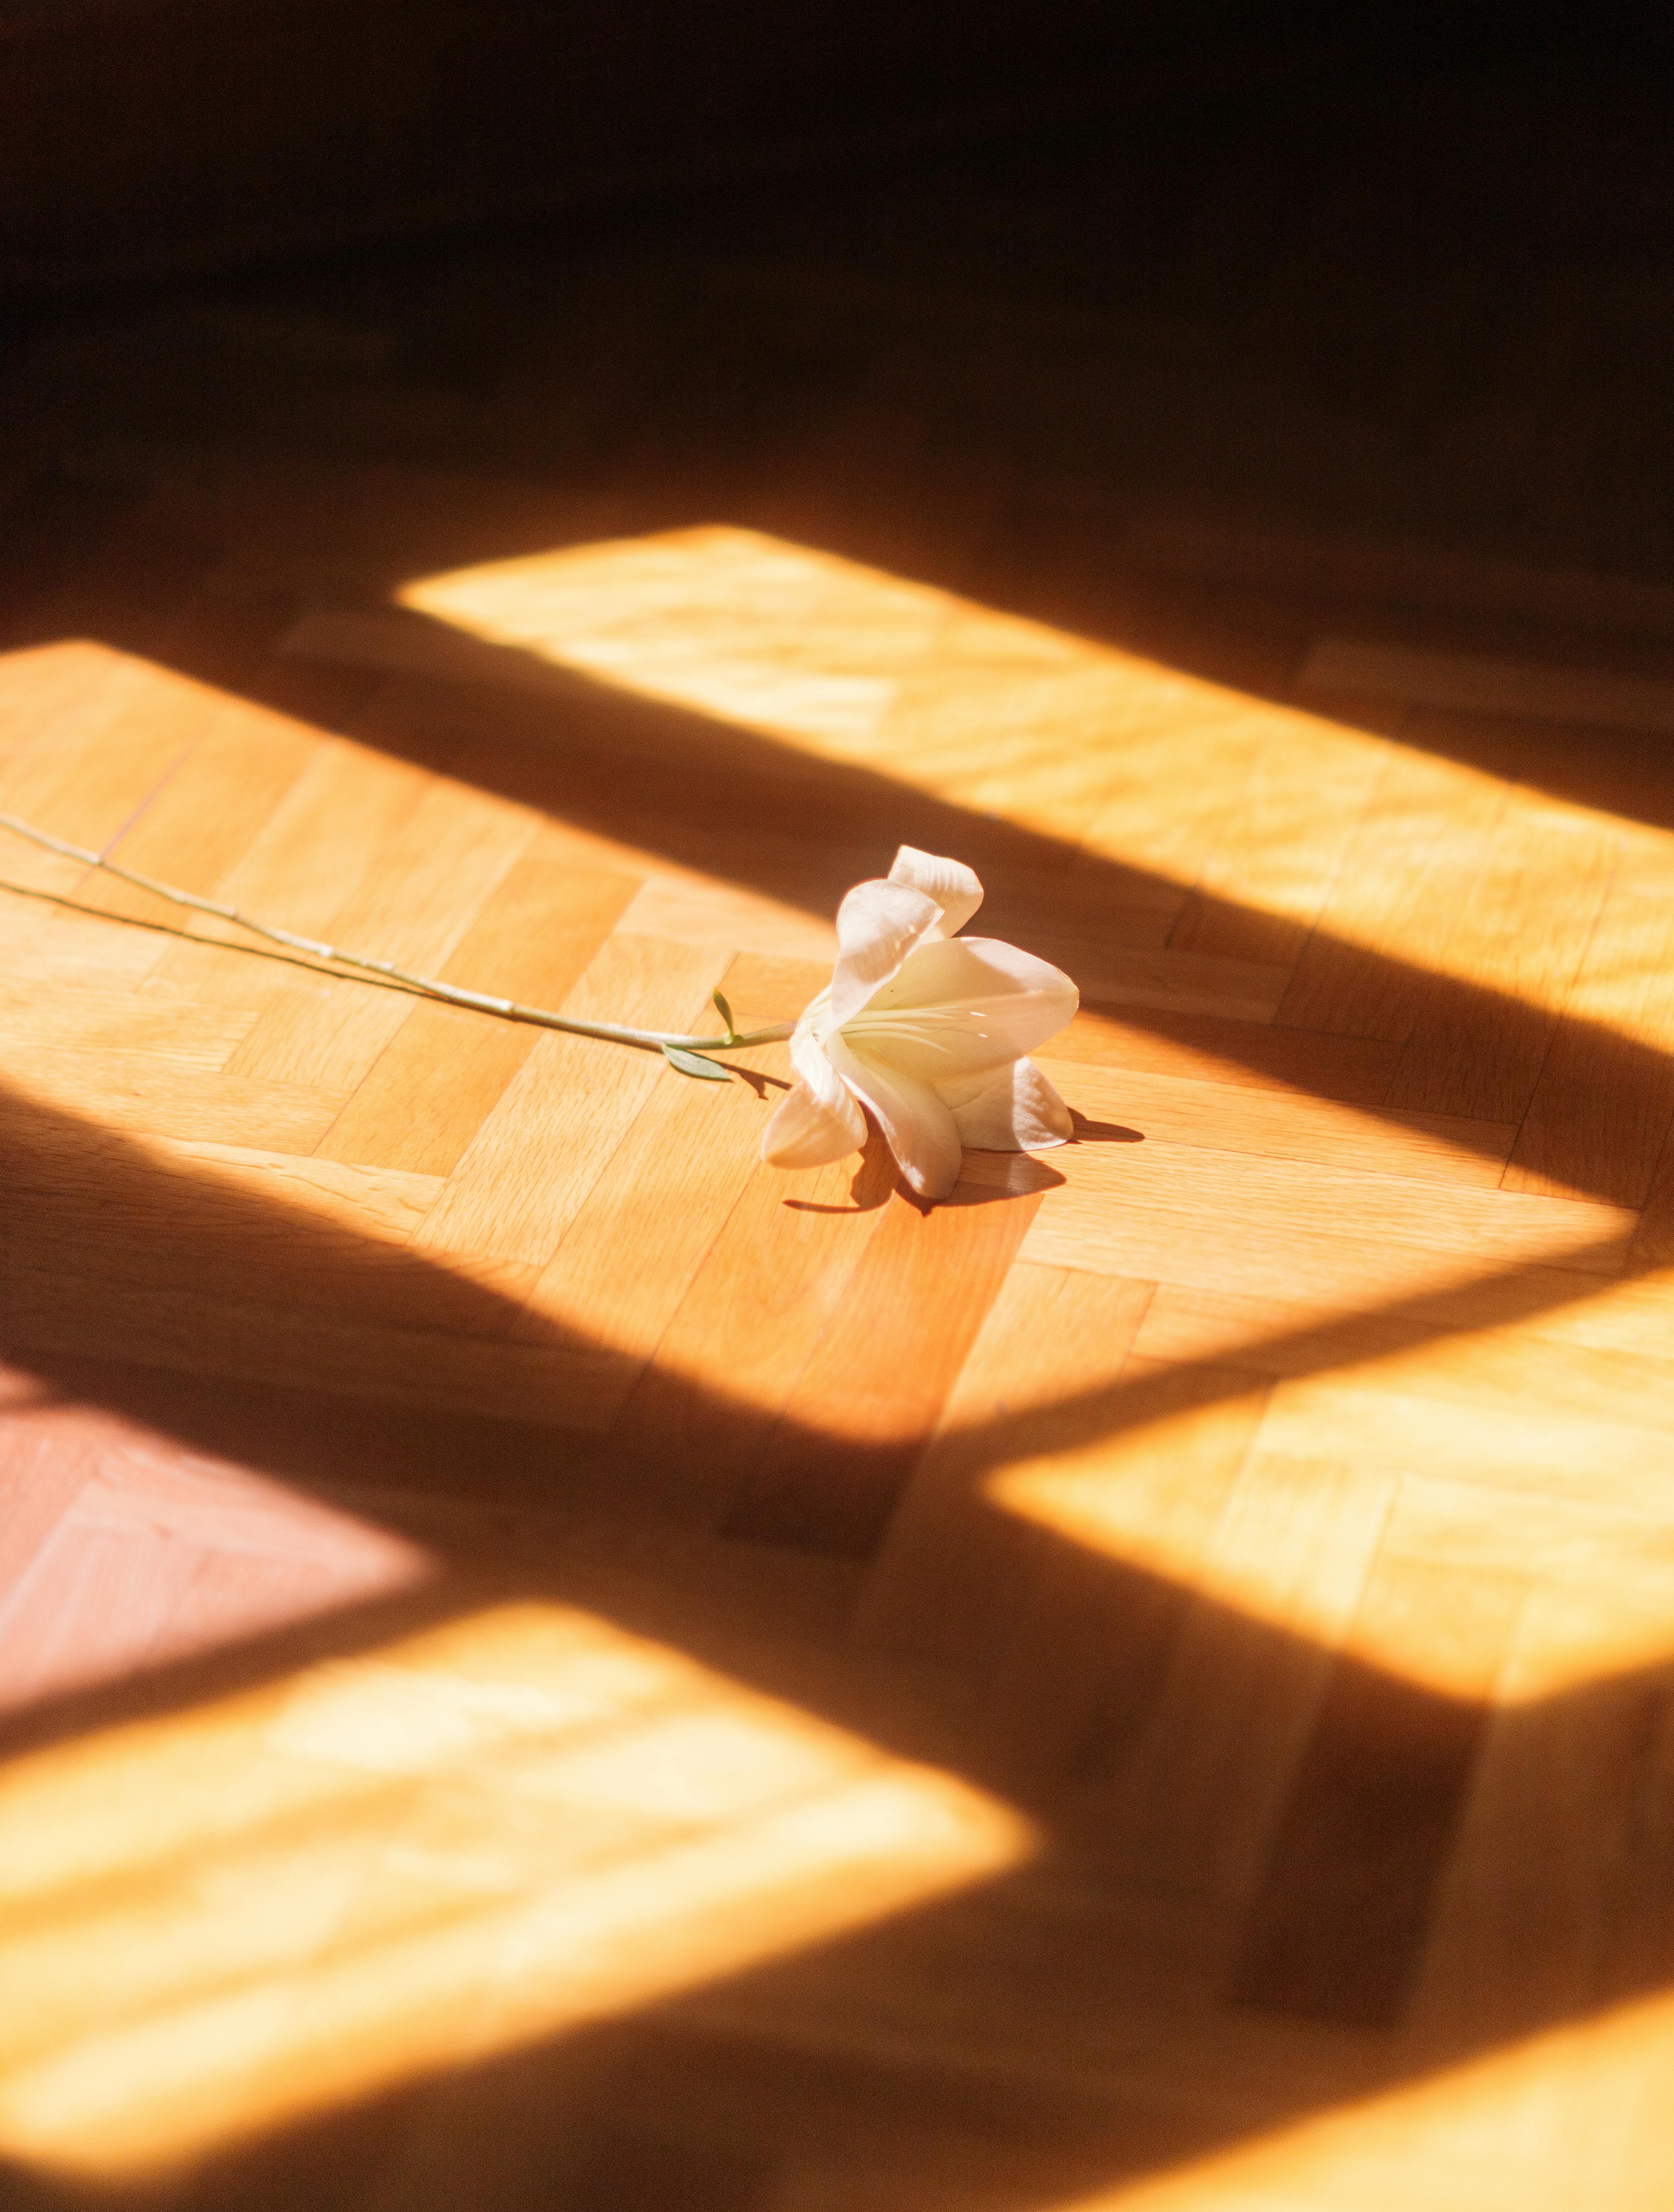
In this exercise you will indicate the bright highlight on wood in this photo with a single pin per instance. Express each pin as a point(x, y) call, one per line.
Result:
point(1257, 805)
point(1266, 1494)
point(469, 1840)
point(675, 1048)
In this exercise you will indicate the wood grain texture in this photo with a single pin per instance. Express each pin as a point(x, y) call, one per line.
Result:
point(1603, 1106)
point(1477, 684)
point(834, 1468)
point(545, 1662)
point(532, 940)
point(1414, 856)
point(1479, 1037)
point(952, 1570)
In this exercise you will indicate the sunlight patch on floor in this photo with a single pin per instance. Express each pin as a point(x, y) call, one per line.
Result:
point(1195, 782)
point(1558, 2117)
point(1458, 1448)
point(226, 1918)
point(746, 628)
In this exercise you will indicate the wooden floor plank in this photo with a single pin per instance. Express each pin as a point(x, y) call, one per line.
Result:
point(1130, 1506)
point(93, 1608)
point(1207, 1784)
point(1605, 1098)
point(1181, 1111)
point(776, 1273)
point(1135, 1210)
point(1419, 848)
point(42, 1471)
point(204, 819)
point(1480, 1038)
point(558, 1384)
point(110, 734)
point(1248, 1056)
point(540, 1151)
point(157, 1096)
point(834, 1468)
point(410, 909)
point(950, 1571)
point(301, 868)
point(443, 1070)
point(115, 1024)
point(549, 1663)
point(1337, 1929)
point(630, 1255)
point(1476, 684)
point(1280, 852)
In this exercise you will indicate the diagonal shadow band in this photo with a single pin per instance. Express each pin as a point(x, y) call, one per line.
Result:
point(1048, 2096)
point(1607, 1101)
point(710, 796)
point(704, 776)
point(1593, 1104)
point(1364, 1810)
point(1361, 1816)
point(73, 1182)
point(158, 1260)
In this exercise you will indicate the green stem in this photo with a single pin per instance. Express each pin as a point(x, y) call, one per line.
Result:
point(449, 993)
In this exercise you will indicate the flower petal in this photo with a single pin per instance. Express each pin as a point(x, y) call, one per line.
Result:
point(879, 924)
point(812, 1063)
point(961, 1006)
point(803, 1134)
point(1015, 1111)
point(917, 1127)
point(954, 887)
point(819, 1120)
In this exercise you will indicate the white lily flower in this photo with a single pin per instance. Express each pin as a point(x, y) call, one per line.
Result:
point(928, 1031)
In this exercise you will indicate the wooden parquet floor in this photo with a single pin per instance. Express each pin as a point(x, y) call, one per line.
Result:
point(546, 1663)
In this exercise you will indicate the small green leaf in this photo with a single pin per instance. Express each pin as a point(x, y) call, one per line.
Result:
point(693, 1063)
point(726, 1014)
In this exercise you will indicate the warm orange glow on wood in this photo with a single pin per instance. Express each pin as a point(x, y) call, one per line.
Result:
point(1167, 1630)
point(385, 1866)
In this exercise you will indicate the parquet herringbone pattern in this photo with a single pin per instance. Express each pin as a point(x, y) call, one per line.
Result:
point(547, 1664)
point(1210, 1531)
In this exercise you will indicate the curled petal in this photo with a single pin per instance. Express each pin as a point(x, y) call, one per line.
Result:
point(819, 1120)
point(803, 1134)
point(878, 925)
point(1015, 1111)
point(954, 887)
point(917, 1127)
point(963, 1006)
point(812, 1063)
